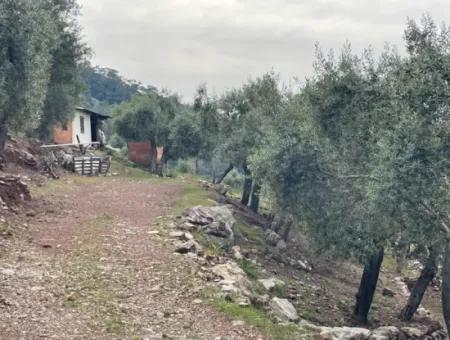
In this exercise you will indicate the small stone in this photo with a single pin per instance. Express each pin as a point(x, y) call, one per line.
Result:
point(188, 247)
point(236, 253)
point(388, 292)
point(7, 272)
point(271, 237)
point(303, 265)
point(272, 283)
point(344, 333)
point(281, 245)
point(385, 333)
point(283, 310)
point(197, 301)
point(176, 234)
point(413, 333)
point(238, 323)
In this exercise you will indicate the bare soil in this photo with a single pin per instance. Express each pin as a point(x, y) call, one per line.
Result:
point(85, 263)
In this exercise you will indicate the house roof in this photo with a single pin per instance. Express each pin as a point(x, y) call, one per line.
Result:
point(99, 115)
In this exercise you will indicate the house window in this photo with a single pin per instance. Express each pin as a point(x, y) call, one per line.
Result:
point(81, 124)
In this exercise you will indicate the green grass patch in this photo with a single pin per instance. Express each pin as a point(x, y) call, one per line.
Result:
point(310, 314)
point(192, 195)
point(127, 169)
point(213, 249)
point(249, 268)
point(389, 263)
point(253, 234)
point(257, 318)
point(280, 291)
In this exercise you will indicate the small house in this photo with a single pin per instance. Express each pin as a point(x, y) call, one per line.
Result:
point(85, 124)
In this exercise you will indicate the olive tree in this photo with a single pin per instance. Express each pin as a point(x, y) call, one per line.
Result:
point(27, 36)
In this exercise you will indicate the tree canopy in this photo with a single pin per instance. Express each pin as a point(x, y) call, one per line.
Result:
point(41, 55)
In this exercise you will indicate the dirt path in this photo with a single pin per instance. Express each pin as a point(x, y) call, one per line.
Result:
point(90, 267)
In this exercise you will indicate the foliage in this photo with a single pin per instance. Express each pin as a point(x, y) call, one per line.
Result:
point(249, 268)
point(261, 320)
point(40, 58)
point(117, 142)
point(68, 57)
point(185, 135)
point(235, 180)
point(146, 117)
point(108, 86)
point(26, 38)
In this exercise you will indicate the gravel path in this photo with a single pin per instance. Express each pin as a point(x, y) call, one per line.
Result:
point(91, 266)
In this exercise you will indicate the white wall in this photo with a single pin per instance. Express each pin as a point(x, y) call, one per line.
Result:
point(85, 137)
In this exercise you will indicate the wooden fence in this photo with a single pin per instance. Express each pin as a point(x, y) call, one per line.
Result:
point(91, 165)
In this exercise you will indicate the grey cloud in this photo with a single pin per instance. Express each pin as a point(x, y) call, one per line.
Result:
point(178, 44)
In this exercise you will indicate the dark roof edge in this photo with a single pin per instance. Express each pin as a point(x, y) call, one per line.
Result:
point(100, 115)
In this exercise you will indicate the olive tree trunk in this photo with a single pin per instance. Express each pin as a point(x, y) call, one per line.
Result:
point(446, 286)
point(3, 131)
point(426, 276)
point(367, 287)
point(254, 203)
point(153, 158)
point(224, 174)
point(247, 188)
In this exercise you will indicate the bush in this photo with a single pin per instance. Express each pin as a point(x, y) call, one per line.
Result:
point(184, 166)
point(117, 142)
point(234, 179)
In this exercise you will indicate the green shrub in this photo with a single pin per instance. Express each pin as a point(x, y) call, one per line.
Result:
point(249, 268)
point(184, 166)
point(117, 142)
point(234, 179)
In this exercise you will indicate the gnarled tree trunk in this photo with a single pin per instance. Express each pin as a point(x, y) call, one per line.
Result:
point(224, 174)
point(426, 276)
point(248, 182)
point(3, 132)
point(446, 286)
point(367, 287)
point(254, 203)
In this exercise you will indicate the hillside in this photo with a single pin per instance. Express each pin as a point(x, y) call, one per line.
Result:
point(110, 257)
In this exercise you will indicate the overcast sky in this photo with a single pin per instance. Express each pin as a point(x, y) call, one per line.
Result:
point(178, 44)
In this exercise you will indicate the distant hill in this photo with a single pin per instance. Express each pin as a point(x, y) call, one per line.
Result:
point(105, 86)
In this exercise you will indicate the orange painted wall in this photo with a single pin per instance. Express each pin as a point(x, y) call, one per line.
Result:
point(63, 136)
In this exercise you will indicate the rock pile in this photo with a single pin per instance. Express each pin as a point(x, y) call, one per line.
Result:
point(215, 222)
point(233, 282)
point(216, 226)
point(22, 153)
point(434, 332)
point(13, 192)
